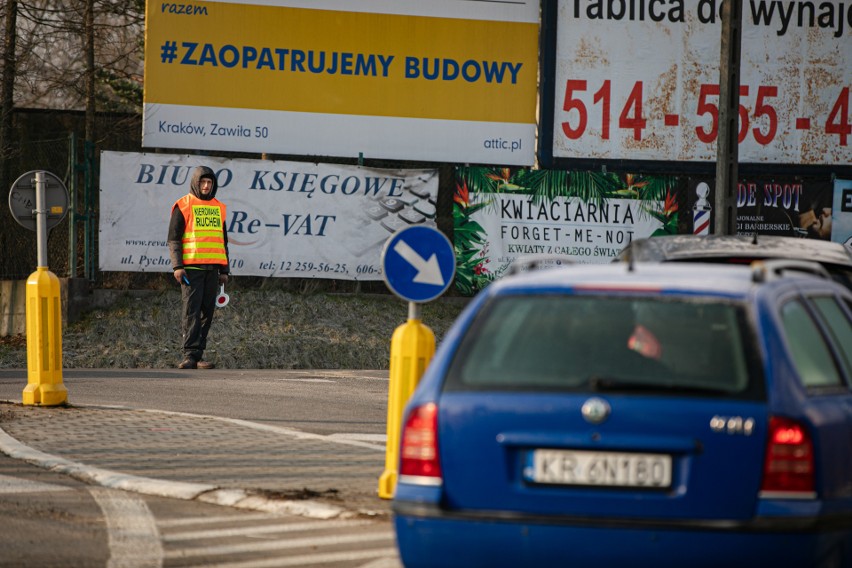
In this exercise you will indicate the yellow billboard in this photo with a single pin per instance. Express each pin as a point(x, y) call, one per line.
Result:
point(392, 80)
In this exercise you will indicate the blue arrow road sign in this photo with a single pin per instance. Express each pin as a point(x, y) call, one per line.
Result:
point(418, 263)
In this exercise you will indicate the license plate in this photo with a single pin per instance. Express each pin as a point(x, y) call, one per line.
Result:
point(614, 469)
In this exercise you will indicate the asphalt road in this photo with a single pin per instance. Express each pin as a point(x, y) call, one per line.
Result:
point(54, 520)
point(321, 402)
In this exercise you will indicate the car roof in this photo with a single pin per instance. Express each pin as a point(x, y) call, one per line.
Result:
point(697, 279)
point(686, 247)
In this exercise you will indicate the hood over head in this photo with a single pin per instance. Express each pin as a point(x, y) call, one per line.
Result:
point(197, 174)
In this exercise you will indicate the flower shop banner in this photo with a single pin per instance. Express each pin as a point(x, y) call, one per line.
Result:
point(284, 219)
point(501, 214)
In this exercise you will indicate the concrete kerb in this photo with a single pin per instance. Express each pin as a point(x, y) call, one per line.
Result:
point(212, 494)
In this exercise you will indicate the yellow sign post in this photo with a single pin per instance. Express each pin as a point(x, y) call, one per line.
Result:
point(418, 265)
point(44, 340)
point(412, 347)
point(38, 200)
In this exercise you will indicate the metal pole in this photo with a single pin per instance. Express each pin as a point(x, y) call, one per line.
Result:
point(88, 199)
point(727, 176)
point(41, 218)
point(44, 319)
point(413, 311)
point(72, 210)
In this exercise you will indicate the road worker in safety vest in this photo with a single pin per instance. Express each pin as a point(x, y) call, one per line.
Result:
point(198, 248)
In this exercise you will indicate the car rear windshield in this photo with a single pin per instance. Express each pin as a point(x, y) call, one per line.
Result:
point(604, 343)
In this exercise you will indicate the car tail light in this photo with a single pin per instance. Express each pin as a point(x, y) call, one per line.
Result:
point(419, 447)
point(789, 465)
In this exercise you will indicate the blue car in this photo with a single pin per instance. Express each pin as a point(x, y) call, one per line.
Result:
point(634, 415)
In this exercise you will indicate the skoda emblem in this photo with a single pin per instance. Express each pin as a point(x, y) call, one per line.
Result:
point(595, 410)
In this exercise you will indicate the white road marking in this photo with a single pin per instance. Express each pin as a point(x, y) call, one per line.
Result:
point(166, 523)
point(311, 559)
point(303, 380)
point(134, 541)
point(345, 375)
point(385, 562)
point(279, 528)
point(280, 545)
point(378, 438)
point(11, 485)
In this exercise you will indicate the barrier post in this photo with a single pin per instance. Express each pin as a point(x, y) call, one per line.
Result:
point(44, 319)
point(44, 340)
point(418, 264)
point(412, 348)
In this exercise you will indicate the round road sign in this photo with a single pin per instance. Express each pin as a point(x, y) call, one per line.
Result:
point(22, 200)
point(418, 263)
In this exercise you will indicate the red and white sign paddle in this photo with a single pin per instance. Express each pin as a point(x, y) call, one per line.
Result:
point(222, 299)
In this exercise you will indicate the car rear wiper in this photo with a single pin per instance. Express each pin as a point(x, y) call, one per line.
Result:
point(603, 383)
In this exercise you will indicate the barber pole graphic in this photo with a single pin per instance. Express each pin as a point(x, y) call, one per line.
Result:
point(701, 211)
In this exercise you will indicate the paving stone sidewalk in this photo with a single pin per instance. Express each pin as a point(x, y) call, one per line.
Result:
point(271, 464)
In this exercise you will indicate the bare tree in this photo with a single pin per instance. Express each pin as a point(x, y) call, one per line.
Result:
point(62, 55)
point(89, 41)
point(7, 83)
point(7, 87)
point(81, 55)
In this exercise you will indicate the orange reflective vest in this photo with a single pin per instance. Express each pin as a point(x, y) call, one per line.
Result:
point(204, 234)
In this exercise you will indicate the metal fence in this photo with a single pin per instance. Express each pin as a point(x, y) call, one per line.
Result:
point(53, 141)
point(19, 259)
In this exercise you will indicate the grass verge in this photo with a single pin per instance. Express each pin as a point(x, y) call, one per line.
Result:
point(259, 329)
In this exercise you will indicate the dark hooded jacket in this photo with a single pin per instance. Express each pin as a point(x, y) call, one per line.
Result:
point(177, 225)
point(197, 174)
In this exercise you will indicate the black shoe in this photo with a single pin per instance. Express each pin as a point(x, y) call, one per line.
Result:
point(188, 363)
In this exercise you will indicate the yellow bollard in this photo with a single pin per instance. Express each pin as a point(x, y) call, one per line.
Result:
point(44, 340)
point(412, 347)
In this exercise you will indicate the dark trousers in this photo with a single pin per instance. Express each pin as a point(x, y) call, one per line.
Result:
point(199, 304)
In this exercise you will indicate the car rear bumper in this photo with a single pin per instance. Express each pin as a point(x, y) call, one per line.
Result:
point(492, 539)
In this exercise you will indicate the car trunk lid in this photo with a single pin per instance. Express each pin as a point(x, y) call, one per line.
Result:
point(639, 457)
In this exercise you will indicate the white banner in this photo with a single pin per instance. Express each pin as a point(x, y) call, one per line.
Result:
point(639, 80)
point(285, 219)
point(585, 232)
